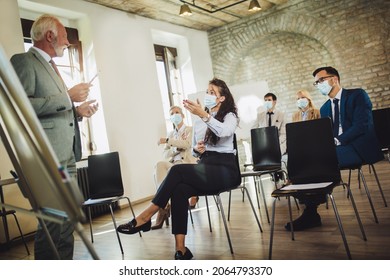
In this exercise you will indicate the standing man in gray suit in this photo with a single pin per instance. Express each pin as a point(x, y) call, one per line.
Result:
point(53, 104)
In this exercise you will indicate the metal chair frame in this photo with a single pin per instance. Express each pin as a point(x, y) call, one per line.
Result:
point(323, 169)
point(105, 197)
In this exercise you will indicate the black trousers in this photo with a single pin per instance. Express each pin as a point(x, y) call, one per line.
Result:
point(213, 173)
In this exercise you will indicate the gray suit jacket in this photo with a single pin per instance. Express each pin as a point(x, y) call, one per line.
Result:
point(50, 100)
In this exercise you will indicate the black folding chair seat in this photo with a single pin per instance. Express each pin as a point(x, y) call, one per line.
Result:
point(312, 160)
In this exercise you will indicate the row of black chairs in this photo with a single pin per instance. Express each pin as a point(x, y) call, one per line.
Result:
point(311, 141)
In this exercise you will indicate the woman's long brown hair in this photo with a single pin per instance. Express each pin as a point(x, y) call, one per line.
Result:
point(227, 106)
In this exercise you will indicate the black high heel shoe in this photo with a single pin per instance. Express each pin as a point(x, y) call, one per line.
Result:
point(131, 228)
point(186, 256)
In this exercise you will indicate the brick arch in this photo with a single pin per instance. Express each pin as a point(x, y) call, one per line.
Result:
point(225, 63)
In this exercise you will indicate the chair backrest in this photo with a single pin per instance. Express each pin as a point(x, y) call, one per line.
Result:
point(266, 152)
point(312, 154)
point(381, 119)
point(104, 176)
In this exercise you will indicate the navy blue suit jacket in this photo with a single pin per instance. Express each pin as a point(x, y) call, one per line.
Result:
point(357, 124)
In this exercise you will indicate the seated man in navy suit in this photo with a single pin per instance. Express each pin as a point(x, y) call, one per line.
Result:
point(353, 130)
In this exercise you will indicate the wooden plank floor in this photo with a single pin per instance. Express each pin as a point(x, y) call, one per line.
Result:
point(322, 243)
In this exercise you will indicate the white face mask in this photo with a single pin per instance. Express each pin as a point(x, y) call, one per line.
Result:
point(302, 103)
point(324, 88)
point(176, 119)
point(268, 104)
point(210, 101)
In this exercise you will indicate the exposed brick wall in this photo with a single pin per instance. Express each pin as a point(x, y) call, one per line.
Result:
point(286, 43)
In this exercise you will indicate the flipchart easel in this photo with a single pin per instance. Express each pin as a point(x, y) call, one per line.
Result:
point(52, 193)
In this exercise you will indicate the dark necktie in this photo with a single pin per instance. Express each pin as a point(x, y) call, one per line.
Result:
point(336, 121)
point(55, 68)
point(269, 118)
point(57, 72)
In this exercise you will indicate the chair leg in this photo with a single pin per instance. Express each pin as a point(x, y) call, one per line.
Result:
point(216, 203)
point(21, 233)
point(117, 234)
point(296, 203)
point(356, 212)
point(349, 181)
point(271, 238)
point(244, 185)
point(257, 189)
point(90, 222)
point(208, 213)
point(192, 219)
point(379, 184)
point(340, 226)
point(230, 199)
point(291, 220)
point(131, 208)
point(230, 202)
point(359, 181)
point(368, 194)
point(253, 208)
point(264, 200)
point(225, 222)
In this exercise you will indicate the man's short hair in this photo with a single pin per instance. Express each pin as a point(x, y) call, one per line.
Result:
point(329, 70)
point(270, 94)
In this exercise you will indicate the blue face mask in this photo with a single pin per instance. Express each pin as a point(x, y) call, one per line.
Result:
point(176, 119)
point(302, 103)
point(268, 104)
point(210, 101)
point(324, 88)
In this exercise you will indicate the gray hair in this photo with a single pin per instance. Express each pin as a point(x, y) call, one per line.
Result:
point(42, 25)
point(176, 107)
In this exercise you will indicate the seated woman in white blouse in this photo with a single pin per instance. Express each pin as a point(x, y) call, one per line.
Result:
point(216, 170)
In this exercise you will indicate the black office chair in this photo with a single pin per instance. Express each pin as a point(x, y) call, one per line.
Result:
point(266, 157)
point(105, 186)
point(4, 213)
point(312, 159)
point(362, 179)
point(220, 207)
point(381, 118)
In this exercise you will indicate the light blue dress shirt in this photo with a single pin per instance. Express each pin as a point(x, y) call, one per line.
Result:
point(224, 130)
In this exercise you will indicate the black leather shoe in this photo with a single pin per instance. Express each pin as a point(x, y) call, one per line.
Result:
point(186, 256)
point(131, 228)
point(305, 221)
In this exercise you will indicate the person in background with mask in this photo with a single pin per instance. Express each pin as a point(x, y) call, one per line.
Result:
point(177, 149)
point(307, 110)
point(217, 169)
point(272, 117)
point(353, 129)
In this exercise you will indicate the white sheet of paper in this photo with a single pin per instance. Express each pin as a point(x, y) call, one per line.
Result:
point(307, 186)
